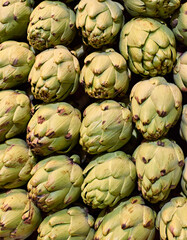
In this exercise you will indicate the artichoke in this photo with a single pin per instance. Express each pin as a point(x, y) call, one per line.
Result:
point(51, 23)
point(179, 24)
point(55, 74)
point(105, 74)
point(180, 72)
point(14, 18)
point(19, 217)
point(159, 168)
point(129, 220)
point(74, 223)
point(56, 182)
point(16, 162)
point(106, 126)
point(14, 113)
point(53, 128)
point(171, 220)
point(16, 61)
point(152, 8)
point(156, 106)
point(184, 178)
point(107, 179)
point(99, 21)
point(149, 46)
point(183, 124)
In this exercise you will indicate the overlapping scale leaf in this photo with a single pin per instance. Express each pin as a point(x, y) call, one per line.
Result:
point(156, 106)
point(184, 178)
point(54, 75)
point(159, 168)
point(106, 126)
point(183, 123)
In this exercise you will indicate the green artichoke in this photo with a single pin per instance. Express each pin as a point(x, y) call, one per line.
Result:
point(19, 217)
point(14, 113)
point(16, 61)
point(16, 162)
point(149, 46)
point(99, 21)
point(55, 74)
point(171, 220)
point(152, 8)
point(184, 178)
point(51, 23)
point(129, 220)
point(105, 74)
point(107, 179)
point(14, 18)
point(56, 182)
point(180, 72)
point(74, 223)
point(156, 106)
point(179, 24)
point(106, 126)
point(183, 124)
point(159, 168)
point(53, 128)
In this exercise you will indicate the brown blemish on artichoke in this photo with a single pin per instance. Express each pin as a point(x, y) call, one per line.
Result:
point(41, 120)
point(15, 62)
point(68, 136)
point(123, 226)
point(144, 160)
point(161, 114)
point(163, 172)
point(148, 224)
point(8, 110)
point(160, 143)
point(181, 163)
point(50, 133)
point(6, 3)
point(69, 200)
point(106, 108)
point(6, 207)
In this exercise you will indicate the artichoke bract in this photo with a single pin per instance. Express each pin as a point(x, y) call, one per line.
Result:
point(149, 46)
point(107, 179)
point(180, 72)
point(14, 18)
point(56, 182)
point(16, 163)
point(131, 219)
point(156, 106)
point(184, 178)
point(54, 75)
point(73, 223)
point(179, 24)
point(147, 8)
point(105, 74)
point(106, 126)
point(14, 113)
point(53, 128)
point(183, 123)
point(19, 217)
point(159, 168)
point(99, 21)
point(171, 220)
point(16, 61)
point(51, 23)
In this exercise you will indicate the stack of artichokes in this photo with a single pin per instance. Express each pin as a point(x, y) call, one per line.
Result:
point(93, 120)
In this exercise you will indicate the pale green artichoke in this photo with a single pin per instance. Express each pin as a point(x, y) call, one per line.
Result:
point(179, 24)
point(183, 123)
point(171, 220)
point(107, 179)
point(99, 21)
point(180, 72)
point(105, 74)
point(51, 23)
point(184, 178)
point(156, 106)
point(149, 46)
point(19, 217)
point(16, 61)
point(106, 126)
point(56, 182)
point(74, 223)
point(159, 168)
point(14, 18)
point(54, 75)
point(14, 113)
point(152, 8)
point(16, 162)
point(129, 220)
point(54, 128)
